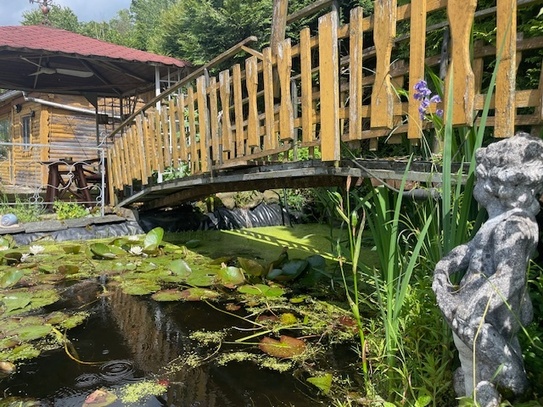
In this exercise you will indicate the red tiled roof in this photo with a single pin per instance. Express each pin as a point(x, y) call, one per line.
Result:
point(45, 38)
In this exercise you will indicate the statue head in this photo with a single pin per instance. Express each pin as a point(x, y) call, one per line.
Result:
point(510, 174)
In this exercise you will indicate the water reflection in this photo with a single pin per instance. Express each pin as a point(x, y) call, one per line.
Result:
point(136, 338)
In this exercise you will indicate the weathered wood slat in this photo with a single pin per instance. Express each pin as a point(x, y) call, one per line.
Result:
point(251, 81)
point(183, 153)
point(204, 126)
point(193, 148)
point(140, 151)
point(214, 121)
point(110, 178)
point(417, 56)
point(270, 140)
point(461, 15)
point(284, 68)
point(173, 132)
point(329, 89)
point(165, 125)
point(382, 98)
point(307, 85)
point(147, 148)
point(227, 139)
point(506, 41)
point(125, 161)
point(238, 110)
point(153, 152)
point(355, 74)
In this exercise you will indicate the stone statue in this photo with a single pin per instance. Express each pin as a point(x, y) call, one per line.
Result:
point(491, 303)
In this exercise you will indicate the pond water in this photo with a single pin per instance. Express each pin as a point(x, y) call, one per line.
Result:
point(134, 338)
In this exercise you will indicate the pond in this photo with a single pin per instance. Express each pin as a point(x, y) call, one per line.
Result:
point(131, 349)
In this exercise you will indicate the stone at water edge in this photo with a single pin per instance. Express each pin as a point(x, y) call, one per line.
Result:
point(8, 220)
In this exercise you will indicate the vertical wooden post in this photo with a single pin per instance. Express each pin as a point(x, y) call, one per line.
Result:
point(384, 31)
point(307, 85)
point(329, 87)
point(278, 30)
point(461, 14)
point(193, 146)
point(224, 82)
point(506, 47)
point(251, 81)
point(270, 140)
point(173, 133)
point(214, 120)
point(355, 74)
point(203, 120)
point(417, 47)
point(284, 67)
point(183, 155)
point(238, 110)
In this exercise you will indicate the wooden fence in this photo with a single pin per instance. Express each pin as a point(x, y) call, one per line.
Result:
point(339, 85)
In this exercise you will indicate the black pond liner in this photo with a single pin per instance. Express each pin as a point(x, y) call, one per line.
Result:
point(135, 338)
point(186, 218)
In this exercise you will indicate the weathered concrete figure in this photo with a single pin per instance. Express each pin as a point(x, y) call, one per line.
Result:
point(488, 307)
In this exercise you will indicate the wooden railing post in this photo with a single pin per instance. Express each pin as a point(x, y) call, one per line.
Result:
point(506, 43)
point(329, 87)
point(307, 85)
point(284, 67)
point(384, 31)
point(203, 124)
point(461, 15)
point(251, 81)
point(355, 74)
point(417, 54)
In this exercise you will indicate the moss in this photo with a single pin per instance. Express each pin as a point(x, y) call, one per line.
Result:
point(136, 392)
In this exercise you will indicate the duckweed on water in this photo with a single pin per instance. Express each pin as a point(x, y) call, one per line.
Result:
point(136, 392)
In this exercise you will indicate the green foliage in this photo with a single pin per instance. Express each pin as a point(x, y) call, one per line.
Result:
point(69, 210)
point(25, 210)
point(59, 17)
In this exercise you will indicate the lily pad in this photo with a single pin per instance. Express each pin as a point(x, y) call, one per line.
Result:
point(180, 268)
point(153, 239)
point(10, 278)
point(323, 382)
point(251, 267)
point(68, 269)
point(100, 398)
point(285, 347)
point(192, 244)
point(72, 249)
point(102, 250)
point(30, 332)
point(230, 275)
point(12, 257)
point(168, 295)
point(198, 294)
point(261, 289)
point(139, 287)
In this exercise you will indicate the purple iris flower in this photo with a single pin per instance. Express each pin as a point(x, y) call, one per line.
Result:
point(424, 94)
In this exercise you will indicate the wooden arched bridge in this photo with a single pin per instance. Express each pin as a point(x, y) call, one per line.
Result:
point(282, 117)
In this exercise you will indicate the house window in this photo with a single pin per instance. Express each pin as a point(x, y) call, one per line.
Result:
point(26, 132)
point(4, 138)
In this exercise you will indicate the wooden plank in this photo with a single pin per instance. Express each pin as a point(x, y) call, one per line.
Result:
point(251, 81)
point(270, 140)
point(173, 133)
point(133, 153)
point(151, 137)
point(193, 148)
point(417, 55)
point(355, 74)
point(329, 87)
point(506, 41)
point(279, 22)
point(461, 15)
point(203, 119)
point(165, 125)
point(384, 31)
point(238, 110)
point(125, 166)
point(284, 68)
point(214, 120)
point(159, 141)
point(183, 154)
point(148, 145)
point(227, 139)
point(307, 85)
point(141, 149)
point(110, 179)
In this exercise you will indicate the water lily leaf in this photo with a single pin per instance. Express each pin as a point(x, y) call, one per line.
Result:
point(30, 332)
point(324, 382)
point(168, 295)
point(8, 343)
point(261, 289)
point(68, 269)
point(201, 280)
point(153, 239)
point(73, 320)
point(72, 249)
point(12, 257)
point(100, 398)
point(139, 287)
point(198, 294)
point(230, 275)
point(180, 268)
point(102, 251)
point(10, 278)
point(7, 241)
point(251, 267)
point(193, 243)
point(23, 351)
point(16, 301)
point(285, 347)
point(46, 268)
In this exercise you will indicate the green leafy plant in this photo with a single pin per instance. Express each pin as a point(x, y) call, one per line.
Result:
point(69, 210)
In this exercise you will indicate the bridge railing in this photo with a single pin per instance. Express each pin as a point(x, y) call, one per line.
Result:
point(340, 84)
